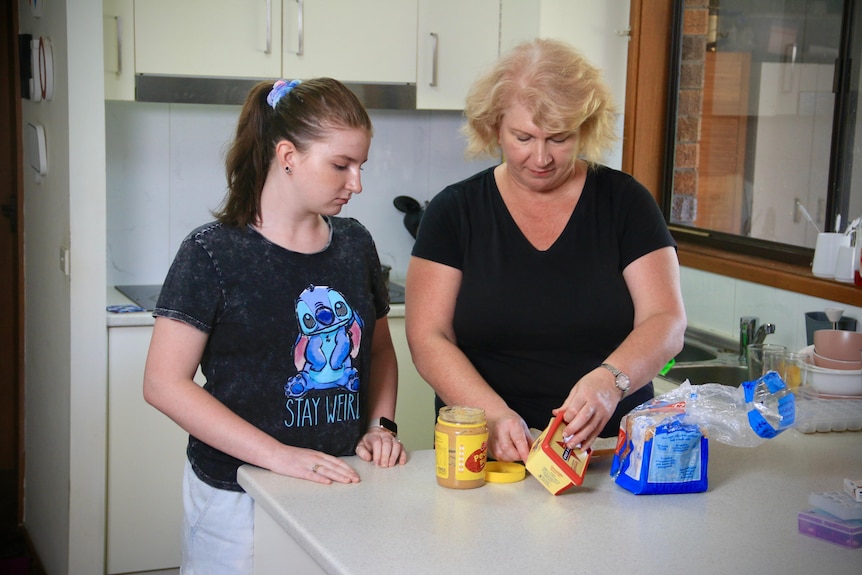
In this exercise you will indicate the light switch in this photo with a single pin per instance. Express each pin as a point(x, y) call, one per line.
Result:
point(65, 264)
point(37, 148)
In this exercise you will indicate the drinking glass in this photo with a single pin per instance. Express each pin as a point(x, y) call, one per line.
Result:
point(758, 353)
point(791, 370)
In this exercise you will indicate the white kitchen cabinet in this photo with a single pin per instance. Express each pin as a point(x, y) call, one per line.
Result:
point(118, 28)
point(146, 454)
point(414, 412)
point(352, 41)
point(456, 41)
point(368, 41)
point(146, 451)
point(220, 38)
point(597, 28)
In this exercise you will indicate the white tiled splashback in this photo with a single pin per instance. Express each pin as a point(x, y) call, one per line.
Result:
point(166, 172)
point(715, 303)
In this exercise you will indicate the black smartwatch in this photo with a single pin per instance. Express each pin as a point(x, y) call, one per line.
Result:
point(386, 424)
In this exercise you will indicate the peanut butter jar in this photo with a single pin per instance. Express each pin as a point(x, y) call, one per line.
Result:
point(461, 447)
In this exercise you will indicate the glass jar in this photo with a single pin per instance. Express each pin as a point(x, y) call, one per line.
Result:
point(461, 447)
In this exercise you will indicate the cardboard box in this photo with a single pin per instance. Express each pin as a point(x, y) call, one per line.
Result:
point(853, 487)
point(556, 466)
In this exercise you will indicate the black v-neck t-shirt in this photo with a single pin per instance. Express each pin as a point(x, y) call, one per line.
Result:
point(534, 322)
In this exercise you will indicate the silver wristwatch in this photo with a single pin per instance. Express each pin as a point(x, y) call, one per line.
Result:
point(621, 380)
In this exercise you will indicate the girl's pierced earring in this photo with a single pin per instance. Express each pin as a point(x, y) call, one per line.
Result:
point(288, 170)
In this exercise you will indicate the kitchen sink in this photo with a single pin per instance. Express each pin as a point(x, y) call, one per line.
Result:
point(692, 353)
point(707, 358)
point(732, 375)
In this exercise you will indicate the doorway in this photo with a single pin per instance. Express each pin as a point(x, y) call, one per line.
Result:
point(11, 276)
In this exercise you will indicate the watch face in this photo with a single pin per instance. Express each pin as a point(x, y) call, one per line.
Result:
point(388, 425)
point(623, 382)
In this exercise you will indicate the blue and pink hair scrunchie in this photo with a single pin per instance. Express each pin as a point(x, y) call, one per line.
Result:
point(279, 90)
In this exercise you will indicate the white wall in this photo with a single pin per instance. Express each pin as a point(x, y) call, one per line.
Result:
point(715, 303)
point(65, 335)
point(166, 173)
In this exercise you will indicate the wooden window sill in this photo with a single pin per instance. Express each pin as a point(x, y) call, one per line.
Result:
point(780, 275)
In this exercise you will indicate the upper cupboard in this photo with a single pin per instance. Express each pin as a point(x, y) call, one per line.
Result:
point(368, 40)
point(433, 47)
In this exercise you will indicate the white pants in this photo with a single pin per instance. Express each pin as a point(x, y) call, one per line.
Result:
point(218, 529)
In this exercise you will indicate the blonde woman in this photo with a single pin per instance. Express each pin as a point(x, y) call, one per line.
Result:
point(547, 283)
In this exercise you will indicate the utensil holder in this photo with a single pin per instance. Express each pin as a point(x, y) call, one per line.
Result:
point(815, 320)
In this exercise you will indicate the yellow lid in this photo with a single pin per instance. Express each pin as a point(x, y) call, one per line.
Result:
point(504, 472)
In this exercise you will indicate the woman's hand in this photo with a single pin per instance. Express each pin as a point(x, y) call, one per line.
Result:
point(381, 447)
point(589, 407)
point(509, 438)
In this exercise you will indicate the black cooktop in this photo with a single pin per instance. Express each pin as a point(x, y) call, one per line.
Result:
point(396, 293)
point(146, 296)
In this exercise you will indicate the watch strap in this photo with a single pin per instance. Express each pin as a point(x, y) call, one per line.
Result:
point(611, 369)
point(621, 380)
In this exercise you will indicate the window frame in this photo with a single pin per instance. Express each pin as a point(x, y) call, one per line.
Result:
point(645, 142)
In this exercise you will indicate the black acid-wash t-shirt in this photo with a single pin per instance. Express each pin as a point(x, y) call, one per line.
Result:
point(534, 322)
point(289, 334)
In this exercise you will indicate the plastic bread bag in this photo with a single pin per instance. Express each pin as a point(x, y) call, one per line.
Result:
point(744, 416)
point(658, 452)
point(662, 445)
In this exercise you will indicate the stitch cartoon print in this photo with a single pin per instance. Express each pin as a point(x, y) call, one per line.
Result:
point(330, 334)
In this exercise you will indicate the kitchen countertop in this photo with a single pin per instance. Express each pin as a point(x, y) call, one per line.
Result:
point(400, 521)
point(128, 319)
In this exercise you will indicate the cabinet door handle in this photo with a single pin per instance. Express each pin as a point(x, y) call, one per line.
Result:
point(119, 27)
point(300, 36)
point(434, 51)
point(268, 27)
point(119, 46)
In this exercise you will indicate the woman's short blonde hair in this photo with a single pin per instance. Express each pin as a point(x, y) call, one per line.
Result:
point(565, 93)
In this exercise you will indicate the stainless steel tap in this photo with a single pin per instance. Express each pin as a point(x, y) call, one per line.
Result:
point(750, 332)
point(762, 332)
point(747, 329)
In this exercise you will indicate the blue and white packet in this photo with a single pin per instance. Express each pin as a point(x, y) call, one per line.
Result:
point(659, 452)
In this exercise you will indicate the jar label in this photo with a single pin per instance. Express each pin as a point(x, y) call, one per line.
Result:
point(475, 462)
point(465, 460)
point(441, 452)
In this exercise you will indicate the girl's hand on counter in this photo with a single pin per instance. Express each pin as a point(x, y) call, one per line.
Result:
point(382, 448)
point(588, 408)
point(509, 437)
point(315, 466)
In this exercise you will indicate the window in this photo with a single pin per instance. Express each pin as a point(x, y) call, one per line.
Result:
point(763, 130)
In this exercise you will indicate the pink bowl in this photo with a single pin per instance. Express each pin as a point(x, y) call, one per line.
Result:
point(830, 363)
point(838, 344)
